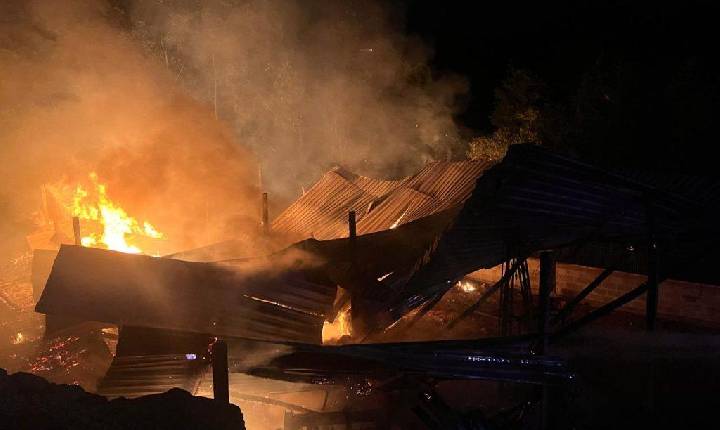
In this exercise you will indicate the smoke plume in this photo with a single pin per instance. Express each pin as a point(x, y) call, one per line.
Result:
point(175, 103)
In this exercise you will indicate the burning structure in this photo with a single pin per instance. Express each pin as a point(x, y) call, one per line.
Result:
point(387, 252)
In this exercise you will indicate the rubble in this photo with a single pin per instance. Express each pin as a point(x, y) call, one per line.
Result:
point(29, 401)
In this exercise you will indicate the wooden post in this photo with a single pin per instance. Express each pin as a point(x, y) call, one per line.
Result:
point(651, 301)
point(547, 285)
point(265, 226)
point(352, 225)
point(76, 230)
point(221, 384)
point(652, 293)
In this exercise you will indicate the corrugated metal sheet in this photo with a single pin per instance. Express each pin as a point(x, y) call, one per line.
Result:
point(536, 200)
point(135, 376)
point(322, 212)
point(262, 298)
point(485, 359)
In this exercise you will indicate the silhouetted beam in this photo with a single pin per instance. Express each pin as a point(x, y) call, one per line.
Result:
point(547, 285)
point(601, 311)
point(570, 306)
point(221, 385)
point(425, 309)
point(489, 292)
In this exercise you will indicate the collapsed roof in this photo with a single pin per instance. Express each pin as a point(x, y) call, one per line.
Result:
point(322, 211)
point(417, 236)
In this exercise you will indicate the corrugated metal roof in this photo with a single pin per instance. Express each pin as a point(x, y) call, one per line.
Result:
point(261, 298)
point(135, 376)
point(416, 238)
point(536, 200)
point(379, 205)
point(322, 211)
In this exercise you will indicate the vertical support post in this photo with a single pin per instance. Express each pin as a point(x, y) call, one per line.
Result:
point(352, 225)
point(221, 383)
point(265, 226)
point(547, 285)
point(651, 301)
point(76, 230)
point(652, 294)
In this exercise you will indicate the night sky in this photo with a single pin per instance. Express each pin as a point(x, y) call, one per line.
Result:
point(557, 40)
point(664, 59)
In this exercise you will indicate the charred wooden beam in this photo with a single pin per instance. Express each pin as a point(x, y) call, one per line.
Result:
point(265, 225)
point(547, 285)
point(601, 311)
point(570, 306)
point(427, 307)
point(221, 383)
point(651, 301)
point(76, 230)
point(489, 292)
point(352, 225)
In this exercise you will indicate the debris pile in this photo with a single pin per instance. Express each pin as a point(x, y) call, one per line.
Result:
point(31, 402)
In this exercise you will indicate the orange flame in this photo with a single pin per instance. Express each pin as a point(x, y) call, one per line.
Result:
point(339, 328)
point(115, 229)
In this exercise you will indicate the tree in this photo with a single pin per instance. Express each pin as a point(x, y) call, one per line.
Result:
point(523, 114)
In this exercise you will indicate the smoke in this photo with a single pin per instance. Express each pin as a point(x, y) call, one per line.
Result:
point(309, 84)
point(174, 104)
point(79, 95)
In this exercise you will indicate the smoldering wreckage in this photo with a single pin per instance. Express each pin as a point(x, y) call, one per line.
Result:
point(371, 318)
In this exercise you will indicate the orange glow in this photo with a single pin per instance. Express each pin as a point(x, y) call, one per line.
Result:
point(113, 228)
point(467, 286)
point(17, 339)
point(341, 327)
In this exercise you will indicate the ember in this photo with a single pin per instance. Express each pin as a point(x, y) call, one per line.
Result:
point(467, 286)
point(17, 339)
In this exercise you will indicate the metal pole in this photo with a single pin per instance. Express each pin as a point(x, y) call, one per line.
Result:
point(221, 383)
point(265, 226)
point(76, 230)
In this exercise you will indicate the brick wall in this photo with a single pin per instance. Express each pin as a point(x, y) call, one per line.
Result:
point(679, 301)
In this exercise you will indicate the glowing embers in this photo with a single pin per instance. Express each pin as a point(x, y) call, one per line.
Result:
point(340, 328)
point(111, 227)
point(467, 286)
point(17, 339)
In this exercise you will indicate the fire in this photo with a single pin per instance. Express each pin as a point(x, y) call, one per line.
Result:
point(467, 286)
point(339, 328)
point(17, 339)
point(115, 229)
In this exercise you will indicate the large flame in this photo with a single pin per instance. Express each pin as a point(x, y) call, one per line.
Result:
point(340, 328)
point(107, 224)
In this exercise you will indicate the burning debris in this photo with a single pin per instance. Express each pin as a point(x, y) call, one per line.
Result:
point(106, 224)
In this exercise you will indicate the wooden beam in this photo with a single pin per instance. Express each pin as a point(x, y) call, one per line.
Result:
point(489, 292)
point(76, 231)
point(601, 311)
point(547, 285)
point(221, 383)
point(651, 301)
point(265, 225)
point(570, 306)
point(352, 225)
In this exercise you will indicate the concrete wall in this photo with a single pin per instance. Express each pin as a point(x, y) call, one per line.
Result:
point(679, 301)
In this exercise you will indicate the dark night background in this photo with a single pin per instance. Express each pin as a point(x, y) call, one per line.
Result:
point(637, 82)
